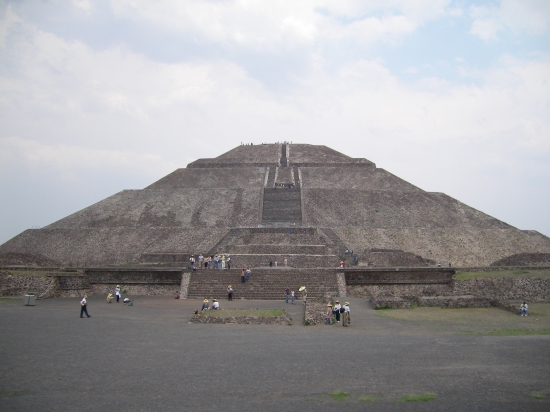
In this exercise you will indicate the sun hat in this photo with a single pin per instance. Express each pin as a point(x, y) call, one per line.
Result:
point(117, 286)
point(229, 286)
point(214, 300)
point(346, 304)
point(205, 300)
point(337, 301)
point(328, 304)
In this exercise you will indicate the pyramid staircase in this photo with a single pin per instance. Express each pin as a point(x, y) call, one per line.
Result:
point(302, 247)
point(266, 284)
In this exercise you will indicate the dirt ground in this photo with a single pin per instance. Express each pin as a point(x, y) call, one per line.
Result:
point(148, 357)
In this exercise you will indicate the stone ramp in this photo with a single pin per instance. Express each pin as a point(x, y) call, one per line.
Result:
point(264, 284)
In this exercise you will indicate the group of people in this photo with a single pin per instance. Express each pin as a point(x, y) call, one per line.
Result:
point(210, 262)
point(110, 298)
point(206, 306)
point(338, 312)
point(245, 274)
point(291, 295)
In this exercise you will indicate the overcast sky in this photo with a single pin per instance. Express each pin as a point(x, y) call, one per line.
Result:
point(101, 96)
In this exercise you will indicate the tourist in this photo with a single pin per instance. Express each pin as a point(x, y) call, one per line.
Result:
point(287, 295)
point(346, 319)
point(84, 307)
point(205, 305)
point(223, 262)
point(229, 293)
point(337, 308)
point(292, 297)
point(110, 297)
point(228, 262)
point(243, 278)
point(215, 304)
point(330, 315)
point(201, 260)
point(304, 295)
point(286, 262)
point(192, 262)
point(270, 263)
point(117, 293)
point(248, 272)
point(524, 309)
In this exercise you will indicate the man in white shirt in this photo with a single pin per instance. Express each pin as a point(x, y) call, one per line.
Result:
point(84, 307)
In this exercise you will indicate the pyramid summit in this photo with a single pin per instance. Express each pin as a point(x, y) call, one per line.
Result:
point(262, 203)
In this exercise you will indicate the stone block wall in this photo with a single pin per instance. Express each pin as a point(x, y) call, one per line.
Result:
point(505, 289)
point(19, 285)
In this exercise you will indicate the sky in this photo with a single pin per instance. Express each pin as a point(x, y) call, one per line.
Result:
point(102, 96)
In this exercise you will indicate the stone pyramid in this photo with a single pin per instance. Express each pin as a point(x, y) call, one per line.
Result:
point(264, 203)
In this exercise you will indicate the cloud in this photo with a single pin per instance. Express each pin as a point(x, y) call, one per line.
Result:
point(70, 162)
point(529, 16)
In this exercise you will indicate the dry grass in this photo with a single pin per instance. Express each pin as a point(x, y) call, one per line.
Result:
point(489, 321)
point(528, 274)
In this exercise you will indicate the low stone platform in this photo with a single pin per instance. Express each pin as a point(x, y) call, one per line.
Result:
point(243, 320)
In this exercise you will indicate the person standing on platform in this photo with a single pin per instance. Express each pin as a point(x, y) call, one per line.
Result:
point(287, 295)
point(243, 278)
point(248, 272)
point(228, 262)
point(292, 297)
point(117, 293)
point(229, 293)
point(84, 307)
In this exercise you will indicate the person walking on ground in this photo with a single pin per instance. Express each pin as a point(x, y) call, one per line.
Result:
point(524, 309)
point(330, 315)
point(287, 295)
point(84, 307)
point(337, 308)
point(346, 320)
point(292, 297)
point(229, 293)
point(117, 293)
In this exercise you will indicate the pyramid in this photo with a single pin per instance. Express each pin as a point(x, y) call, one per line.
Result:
point(266, 203)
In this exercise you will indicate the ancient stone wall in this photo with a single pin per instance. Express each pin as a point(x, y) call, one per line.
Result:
point(505, 289)
point(19, 285)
